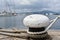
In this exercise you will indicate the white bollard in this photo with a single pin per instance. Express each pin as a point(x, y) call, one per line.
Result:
point(36, 24)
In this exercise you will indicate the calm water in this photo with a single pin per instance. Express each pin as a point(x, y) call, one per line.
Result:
point(16, 21)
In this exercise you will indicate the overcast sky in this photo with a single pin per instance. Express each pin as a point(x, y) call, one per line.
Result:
point(30, 5)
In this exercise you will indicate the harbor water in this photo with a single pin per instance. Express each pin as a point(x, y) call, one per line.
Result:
point(17, 21)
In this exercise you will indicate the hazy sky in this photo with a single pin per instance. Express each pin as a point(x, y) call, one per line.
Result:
point(30, 5)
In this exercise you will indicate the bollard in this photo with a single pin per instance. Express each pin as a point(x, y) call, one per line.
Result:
point(37, 26)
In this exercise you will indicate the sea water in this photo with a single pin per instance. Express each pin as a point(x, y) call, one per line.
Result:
point(17, 21)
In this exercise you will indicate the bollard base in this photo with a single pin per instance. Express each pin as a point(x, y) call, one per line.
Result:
point(43, 36)
point(48, 37)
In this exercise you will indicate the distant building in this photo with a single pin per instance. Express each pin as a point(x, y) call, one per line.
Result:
point(50, 13)
point(46, 14)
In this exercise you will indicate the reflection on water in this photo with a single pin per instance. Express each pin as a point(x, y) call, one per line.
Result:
point(17, 21)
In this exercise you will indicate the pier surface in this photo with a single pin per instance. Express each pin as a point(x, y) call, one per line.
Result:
point(54, 35)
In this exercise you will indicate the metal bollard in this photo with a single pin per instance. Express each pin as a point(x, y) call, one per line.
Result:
point(38, 25)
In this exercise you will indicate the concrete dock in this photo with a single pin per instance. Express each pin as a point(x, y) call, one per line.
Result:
point(53, 35)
